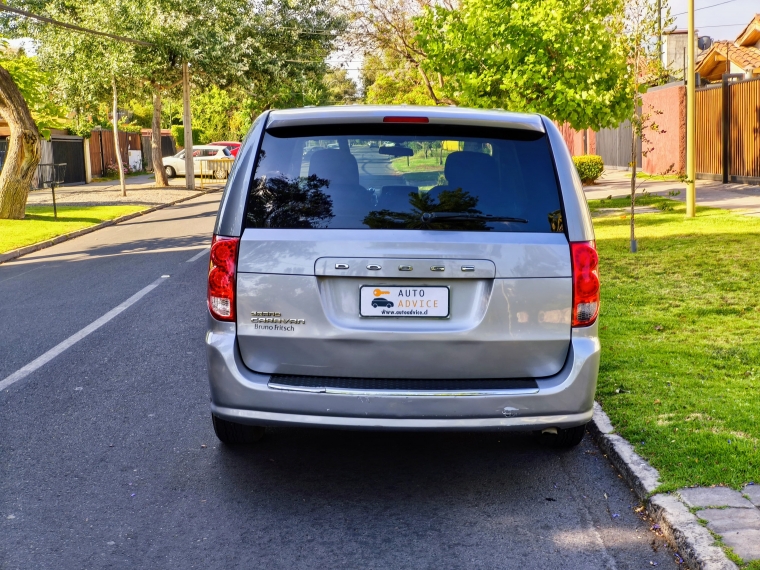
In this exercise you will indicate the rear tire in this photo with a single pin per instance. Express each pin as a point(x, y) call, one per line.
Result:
point(564, 438)
point(236, 434)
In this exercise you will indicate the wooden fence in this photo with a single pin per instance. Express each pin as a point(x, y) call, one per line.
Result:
point(614, 146)
point(732, 133)
point(709, 147)
point(103, 152)
point(745, 129)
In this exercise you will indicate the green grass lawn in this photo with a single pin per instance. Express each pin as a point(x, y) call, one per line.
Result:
point(680, 332)
point(419, 163)
point(657, 177)
point(115, 176)
point(40, 225)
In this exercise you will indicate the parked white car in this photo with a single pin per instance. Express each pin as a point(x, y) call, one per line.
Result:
point(175, 165)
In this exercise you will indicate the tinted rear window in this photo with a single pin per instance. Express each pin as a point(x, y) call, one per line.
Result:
point(405, 177)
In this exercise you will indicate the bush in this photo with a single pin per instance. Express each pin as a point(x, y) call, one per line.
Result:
point(178, 132)
point(129, 128)
point(82, 129)
point(589, 166)
point(112, 170)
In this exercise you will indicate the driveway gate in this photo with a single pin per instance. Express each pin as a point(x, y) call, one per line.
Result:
point(70, 150)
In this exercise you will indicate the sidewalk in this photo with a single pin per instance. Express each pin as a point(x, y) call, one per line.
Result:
point(741, 197)
point(140, 190)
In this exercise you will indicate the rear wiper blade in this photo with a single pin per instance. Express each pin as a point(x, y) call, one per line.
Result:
point(456, 216)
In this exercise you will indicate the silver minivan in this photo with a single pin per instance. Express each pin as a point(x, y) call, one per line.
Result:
point(403, 268)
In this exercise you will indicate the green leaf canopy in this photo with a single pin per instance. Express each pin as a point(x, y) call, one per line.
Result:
point(562, 58)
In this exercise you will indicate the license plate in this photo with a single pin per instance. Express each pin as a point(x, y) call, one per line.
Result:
point(420, 302)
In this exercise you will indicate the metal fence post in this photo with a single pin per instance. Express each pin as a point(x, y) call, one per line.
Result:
point(726, 123)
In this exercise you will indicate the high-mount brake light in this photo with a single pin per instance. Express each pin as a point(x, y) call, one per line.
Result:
point(406, 120)
point(221, 277)
point(585, 262)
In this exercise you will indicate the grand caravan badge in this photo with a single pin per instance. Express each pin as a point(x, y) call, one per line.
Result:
point(272, 318)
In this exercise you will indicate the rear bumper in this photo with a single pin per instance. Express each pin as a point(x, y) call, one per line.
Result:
point(241, 395)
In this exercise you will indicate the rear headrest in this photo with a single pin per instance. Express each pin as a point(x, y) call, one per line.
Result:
point(337, 166)
point(402, 191)
point(466, 169)
point(396, 197)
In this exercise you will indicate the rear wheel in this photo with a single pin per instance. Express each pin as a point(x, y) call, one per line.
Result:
point(170, 173)
point(220, 174)
point(236, 434)
point(564, 438)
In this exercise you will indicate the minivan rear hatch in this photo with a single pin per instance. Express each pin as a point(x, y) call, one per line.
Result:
point(404, 250)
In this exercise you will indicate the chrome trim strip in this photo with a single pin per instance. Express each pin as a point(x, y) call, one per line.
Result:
point(287, 388)
point(451, 393)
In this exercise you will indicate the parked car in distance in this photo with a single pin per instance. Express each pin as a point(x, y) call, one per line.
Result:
point(175, 165)
point(231, 146)
point(345, 292)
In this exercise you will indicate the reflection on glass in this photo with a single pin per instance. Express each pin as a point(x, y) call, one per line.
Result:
point(555, 221)
point(279, 202)
point(398, 178)
point(447, 201)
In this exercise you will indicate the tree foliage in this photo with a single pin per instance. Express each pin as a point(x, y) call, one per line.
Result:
point(341, 89)
point(35, 86)
point(563, 58)
point(390, 80)
point(266, 47)
point(385, 30)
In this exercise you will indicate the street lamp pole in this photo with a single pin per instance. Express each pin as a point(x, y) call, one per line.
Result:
point(691, 120)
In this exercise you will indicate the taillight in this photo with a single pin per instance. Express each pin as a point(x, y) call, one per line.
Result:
point(585, 283)
point(221, 277)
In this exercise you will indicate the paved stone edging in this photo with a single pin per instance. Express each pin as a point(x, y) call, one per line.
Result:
point(71, 235)
point(694, 542)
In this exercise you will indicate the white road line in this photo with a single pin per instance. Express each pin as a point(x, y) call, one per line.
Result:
point(198, 255)
point(76, 337)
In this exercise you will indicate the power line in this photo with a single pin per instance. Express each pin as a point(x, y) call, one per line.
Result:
point(47, 20)
point(706, 7)
point(724, 25)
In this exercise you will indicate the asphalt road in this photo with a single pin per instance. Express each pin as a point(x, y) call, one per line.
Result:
point(108, 458)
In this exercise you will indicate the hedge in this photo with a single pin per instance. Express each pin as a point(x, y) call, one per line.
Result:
point(589, 166)
point(178, 132)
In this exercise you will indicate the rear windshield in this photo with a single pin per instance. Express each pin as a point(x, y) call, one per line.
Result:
point(405, 177)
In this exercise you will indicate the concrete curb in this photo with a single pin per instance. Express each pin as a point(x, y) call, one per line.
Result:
point(71, 235)
point(694, 543)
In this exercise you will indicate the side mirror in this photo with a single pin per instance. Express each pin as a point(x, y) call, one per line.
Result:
point(395, 151)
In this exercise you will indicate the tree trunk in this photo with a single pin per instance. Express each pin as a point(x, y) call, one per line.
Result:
point(23, 153)
point(188, 128)
point(634, 245)
point(155, 142)
point(117, 145)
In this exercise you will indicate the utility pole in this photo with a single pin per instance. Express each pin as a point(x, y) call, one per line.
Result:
point(186, 121)
point(691, 120)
